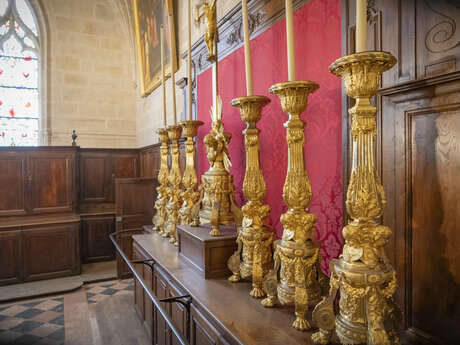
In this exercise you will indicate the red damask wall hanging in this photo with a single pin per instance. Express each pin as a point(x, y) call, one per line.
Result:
point(317, 34)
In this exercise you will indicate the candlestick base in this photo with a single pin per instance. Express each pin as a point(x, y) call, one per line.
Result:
point(363, 275)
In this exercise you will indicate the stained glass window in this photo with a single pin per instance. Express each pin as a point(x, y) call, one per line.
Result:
point(19, 75)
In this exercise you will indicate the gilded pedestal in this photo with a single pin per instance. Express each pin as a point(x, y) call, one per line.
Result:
point(189, 212)
point(254, 255)
point(217, 183)
point(163, 189)
point(175, 178)
point(362, 274)
point(296, 256)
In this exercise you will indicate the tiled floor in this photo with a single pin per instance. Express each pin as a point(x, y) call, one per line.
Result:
point(45, 321)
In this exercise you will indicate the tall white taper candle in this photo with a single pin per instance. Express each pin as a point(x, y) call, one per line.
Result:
point(171, 58)
point(162, 47)
point(361, 25)
point(189, 82)
point(290, 39)
point(247, 49)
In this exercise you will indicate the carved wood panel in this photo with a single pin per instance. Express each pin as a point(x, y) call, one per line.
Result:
point(10, 257)
point(12, 184)
point(42, 261)
point(96, 245)
point(51, 176)
point(421, 181)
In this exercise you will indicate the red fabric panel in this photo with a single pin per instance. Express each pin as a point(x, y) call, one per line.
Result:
point(317, 34)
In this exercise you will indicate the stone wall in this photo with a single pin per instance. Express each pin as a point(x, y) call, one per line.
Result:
point(91, 73)
point(149, 109)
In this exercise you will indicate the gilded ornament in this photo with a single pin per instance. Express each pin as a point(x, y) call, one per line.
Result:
point(175, 185)
point(217, 198)
point(363, 275)
point(253, 257)
point(207, 11)
point(159, 220)
point(189, 212)
point(296, 257)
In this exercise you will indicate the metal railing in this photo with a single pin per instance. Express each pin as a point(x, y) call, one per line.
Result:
point(184, 300)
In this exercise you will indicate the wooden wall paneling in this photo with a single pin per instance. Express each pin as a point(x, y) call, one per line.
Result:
point(13, 182)
point(124, 165)
point(148, 304)
point(45, 261)
point(149, 160)
point(95, 177)
point(96, 245)
point(178, 312)
point(426, 169)
point(10, 257)
point(52, 179)
point(138, 290)
point(438, 51)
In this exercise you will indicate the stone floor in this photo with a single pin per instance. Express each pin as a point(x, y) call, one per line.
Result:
point(96, 314)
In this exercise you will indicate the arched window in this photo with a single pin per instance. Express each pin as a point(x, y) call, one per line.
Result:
point(19, 74)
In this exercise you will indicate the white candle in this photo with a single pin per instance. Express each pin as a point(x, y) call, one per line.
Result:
point(173, 77)
point(189, 84)
point(247, 50)
point(162, 33)
point(290, 39)
point(361, 25)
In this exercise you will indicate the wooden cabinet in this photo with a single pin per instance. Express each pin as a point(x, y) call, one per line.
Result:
point(96, 245)
point(41, 251)
point(34, 182)
point(45, 261)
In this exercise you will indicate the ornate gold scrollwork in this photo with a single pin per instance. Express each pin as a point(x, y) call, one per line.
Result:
point(296, 257)
point(159, 219)
point(253, 257)
point(175, 179)
point(189, 212)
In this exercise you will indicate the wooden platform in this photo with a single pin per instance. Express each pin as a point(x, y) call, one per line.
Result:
point(224, 311)
point(207, 254)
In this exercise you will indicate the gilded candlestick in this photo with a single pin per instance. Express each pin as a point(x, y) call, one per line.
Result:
point(175, 185)
point(189, 212)
point(163, 189)
point(255, 240)
point(362, 274)
point(296, 255)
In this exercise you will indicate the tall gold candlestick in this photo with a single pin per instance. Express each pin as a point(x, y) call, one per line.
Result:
point(163, 189)
point(247, 50)
point(175, 179)
point(290, 40)
point(362, 274)
point(361, 25)
point(163, 86)
point(254, 255)
point(190, 210)
point(296, 257)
